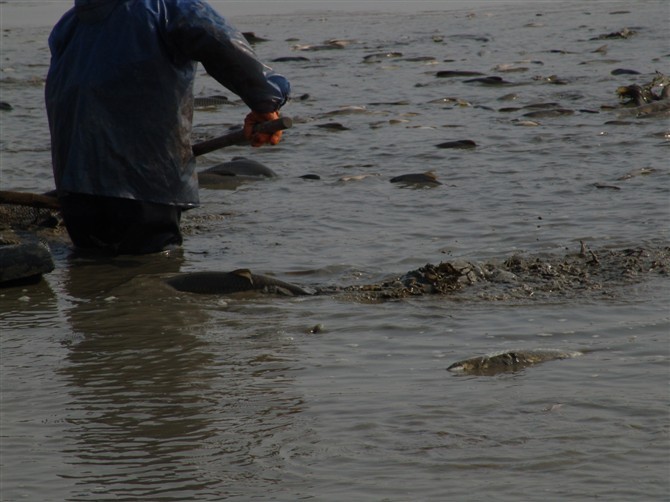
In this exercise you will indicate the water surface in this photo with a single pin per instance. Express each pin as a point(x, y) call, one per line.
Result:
point(115, 388)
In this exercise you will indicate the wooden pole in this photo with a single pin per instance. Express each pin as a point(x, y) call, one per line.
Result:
point(233, 138)
point(29, 199)
point(237, 137)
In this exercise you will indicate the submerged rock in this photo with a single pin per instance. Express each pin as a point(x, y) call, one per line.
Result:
point(233, 173)
point(462, 144)
point(24, 262)
point(549, 113)
point(237, 281)
point(509, 361)
point(427, 178)
point(492, 80)
point(457, 73)
point(623, 33)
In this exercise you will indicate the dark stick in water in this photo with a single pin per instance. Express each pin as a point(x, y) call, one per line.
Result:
point(233, 138)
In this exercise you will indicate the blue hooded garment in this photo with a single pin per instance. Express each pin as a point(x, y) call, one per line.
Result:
point(119, 94)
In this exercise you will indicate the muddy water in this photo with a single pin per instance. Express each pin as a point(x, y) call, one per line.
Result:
point(115, 387)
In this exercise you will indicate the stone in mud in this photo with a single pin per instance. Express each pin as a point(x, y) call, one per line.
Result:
point(462, 144)
point(357, 177)
point(252, 38)
point(457, 73)
point(509, 361)
point(606, 186)
point(509, 68)
point(372, 58)
point(419, 59)
point(469, 36)
point(645, 100)
point(234, 172)
point(24, 262)
point(427, 178)
point(551, 113)
point(347, 110)
point(636, 95)
point(451, 101)
point(541, 106)
point(333, 126)
point(237, 281)
point(643, 171)
point(551, 79)
point(242, 166)
point(493, 81)
point(526, 123)
point(288, 59)
point(624, 33)
point(327, 45)
point(400, 102)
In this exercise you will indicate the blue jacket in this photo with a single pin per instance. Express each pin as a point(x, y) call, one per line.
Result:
point(119, 94)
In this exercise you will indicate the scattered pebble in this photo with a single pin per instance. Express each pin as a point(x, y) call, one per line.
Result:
point(624, 33)
point(624, 71)
point(493, 81)
point(457, 73)
point(606, 187)
point(333, 126)
point(427, 178)
point(462, 144)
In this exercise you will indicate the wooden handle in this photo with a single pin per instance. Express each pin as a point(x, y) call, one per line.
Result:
point(237, 137)
point(233, 138)
point(28, 199)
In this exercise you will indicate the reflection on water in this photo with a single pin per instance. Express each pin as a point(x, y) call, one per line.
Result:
point(27, 306)
point(138, 379)
point(157, 408)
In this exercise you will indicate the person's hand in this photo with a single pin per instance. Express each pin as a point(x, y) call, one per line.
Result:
point(258, 138)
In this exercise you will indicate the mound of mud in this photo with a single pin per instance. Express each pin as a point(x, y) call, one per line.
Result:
point(522, 277)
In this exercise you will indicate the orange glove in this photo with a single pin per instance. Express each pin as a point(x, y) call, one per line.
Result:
point(258, 138)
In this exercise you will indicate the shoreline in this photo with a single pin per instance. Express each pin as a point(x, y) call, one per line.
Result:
point(35, 14)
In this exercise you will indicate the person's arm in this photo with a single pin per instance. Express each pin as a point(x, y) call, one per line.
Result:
point(201, 34)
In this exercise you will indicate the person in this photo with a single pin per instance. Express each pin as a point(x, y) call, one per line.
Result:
point(119, 100)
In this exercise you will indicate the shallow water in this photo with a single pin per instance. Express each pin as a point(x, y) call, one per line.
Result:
point(116, 388)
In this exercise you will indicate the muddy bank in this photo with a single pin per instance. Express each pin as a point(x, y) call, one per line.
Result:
point(588, 273)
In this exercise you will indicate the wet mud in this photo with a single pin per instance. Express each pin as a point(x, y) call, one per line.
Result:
point(586, 274)
point(596, 273)
point(600, 273)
